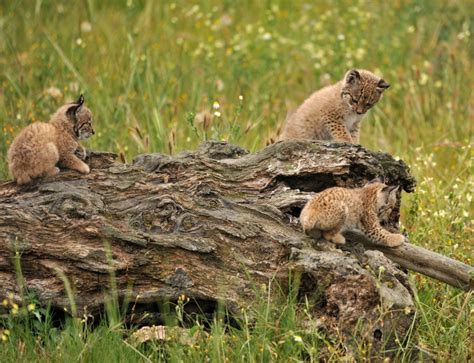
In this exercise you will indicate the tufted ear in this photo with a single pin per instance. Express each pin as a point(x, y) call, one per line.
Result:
point(73, 110)
point(80, 100)
point(352, 77)
point(382, 86)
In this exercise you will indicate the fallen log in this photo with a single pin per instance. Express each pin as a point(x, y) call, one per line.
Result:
point(210, 224)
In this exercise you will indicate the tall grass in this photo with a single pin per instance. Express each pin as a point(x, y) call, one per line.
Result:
point(275, 327)
point(151, 70)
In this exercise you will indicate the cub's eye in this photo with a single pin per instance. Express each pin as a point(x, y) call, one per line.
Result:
point(353, 100)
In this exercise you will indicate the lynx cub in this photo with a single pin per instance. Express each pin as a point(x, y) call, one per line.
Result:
point(40, 146)
point(337, 209)
point(334, 112)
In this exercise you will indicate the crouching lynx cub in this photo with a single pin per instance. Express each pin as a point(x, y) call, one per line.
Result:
point(39, 147)
point(335, 210)
point(334, 113)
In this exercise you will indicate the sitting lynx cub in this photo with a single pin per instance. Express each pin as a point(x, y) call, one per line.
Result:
point(337, 209)
point(334, 113)
point(39, 147)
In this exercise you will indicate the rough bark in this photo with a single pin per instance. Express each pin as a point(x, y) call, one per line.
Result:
point(209, 224)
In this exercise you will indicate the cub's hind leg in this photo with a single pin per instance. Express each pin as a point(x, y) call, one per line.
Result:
point(22, 178)
point(331, 222)
point(308, 219)
point(48, 159)
point(38, 162)
point(52, 172)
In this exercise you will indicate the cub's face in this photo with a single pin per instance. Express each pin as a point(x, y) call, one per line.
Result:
point(386, 201)
point(361, 90)
point(83, 124)
point(81, 118)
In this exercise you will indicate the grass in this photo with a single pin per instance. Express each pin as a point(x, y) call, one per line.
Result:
point(161, 77)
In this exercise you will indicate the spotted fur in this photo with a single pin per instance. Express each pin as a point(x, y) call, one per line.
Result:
point(334, 112)
point(335, 210)
point(40, 147)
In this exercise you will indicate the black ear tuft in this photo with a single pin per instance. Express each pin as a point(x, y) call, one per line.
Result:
point(352, 76)
point(80, 100)
point(382, 85)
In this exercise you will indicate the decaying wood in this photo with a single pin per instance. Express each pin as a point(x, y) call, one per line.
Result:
point(212, 224)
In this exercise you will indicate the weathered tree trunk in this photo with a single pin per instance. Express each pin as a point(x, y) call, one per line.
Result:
point(209, 224)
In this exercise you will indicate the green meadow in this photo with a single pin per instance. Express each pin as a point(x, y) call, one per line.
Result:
point(163, 76)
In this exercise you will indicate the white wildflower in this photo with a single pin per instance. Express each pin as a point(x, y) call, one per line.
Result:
point(86, 27)
point(225, 20)
point(423, 79)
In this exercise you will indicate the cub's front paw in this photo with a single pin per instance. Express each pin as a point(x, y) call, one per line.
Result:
point(85, 169)
point(395, 240)
point(337, 238)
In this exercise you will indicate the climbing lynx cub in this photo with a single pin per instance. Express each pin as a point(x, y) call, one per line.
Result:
point(335, 210)
point(334, 112)
point(40, 146)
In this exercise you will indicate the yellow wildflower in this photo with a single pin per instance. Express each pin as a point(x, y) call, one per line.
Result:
point(298, 339)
